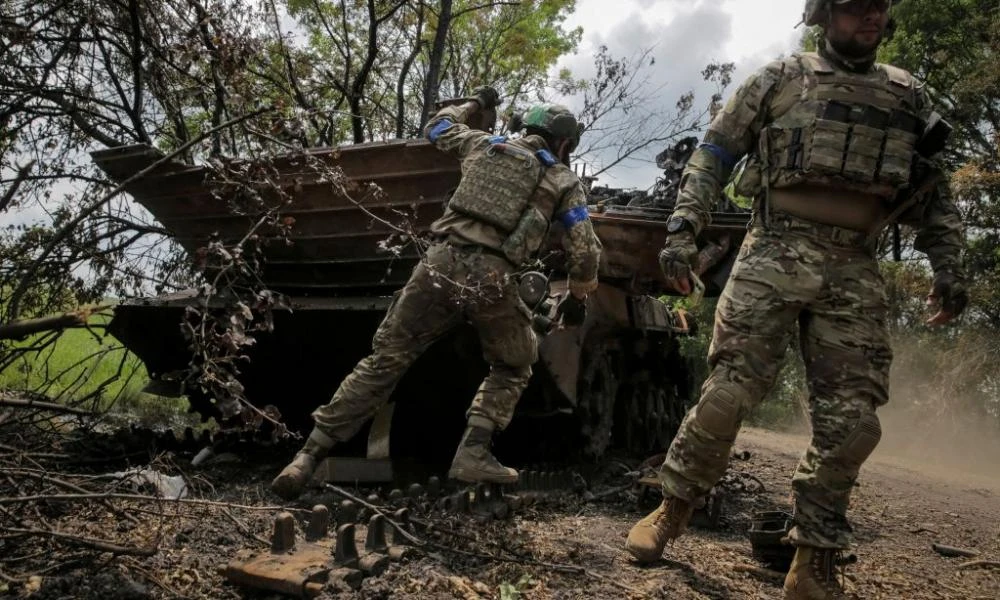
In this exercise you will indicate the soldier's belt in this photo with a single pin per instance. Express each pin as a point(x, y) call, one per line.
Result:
point(781, 222)
point(464, 246)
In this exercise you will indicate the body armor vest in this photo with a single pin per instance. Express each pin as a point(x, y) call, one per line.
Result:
point(855, 131)
point(497, 188)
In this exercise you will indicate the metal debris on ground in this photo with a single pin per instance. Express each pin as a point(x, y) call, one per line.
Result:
point(302, 566)
point(768, 530)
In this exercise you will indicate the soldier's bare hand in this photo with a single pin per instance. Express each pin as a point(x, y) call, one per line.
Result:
point(949, 296)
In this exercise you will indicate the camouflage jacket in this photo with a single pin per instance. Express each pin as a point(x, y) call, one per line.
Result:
point(734, 133)
point(560, 195)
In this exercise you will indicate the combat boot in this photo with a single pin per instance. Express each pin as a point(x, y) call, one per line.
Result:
point(294, 477)
point(648, 537)
point(813, 575)
point(474, 463)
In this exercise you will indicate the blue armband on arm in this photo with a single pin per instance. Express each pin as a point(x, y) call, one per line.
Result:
point(728, 160)
point(573, 216)
point(439, 128)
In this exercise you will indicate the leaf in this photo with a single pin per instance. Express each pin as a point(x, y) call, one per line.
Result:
point(509, 592)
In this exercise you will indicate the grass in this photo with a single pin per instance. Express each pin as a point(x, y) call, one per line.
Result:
point(87, 365)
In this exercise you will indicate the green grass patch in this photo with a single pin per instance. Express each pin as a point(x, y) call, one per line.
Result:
point(85, 364)
point(76, 364)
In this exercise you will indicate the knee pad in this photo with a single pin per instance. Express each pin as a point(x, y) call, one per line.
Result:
point(721, 408)
point(861, 441)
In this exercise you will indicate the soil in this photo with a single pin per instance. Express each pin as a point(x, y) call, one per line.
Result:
point(900, 508)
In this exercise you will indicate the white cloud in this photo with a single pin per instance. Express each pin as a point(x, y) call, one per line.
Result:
point(686, 35)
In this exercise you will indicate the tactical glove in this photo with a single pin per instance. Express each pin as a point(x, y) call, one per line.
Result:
point(678, 256)
point(948, 293)
point(486, 96)
point(572, 310)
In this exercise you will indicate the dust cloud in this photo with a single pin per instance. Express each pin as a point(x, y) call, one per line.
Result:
point(933, 420)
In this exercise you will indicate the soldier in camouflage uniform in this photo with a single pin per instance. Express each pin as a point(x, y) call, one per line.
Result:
point(831, 140)
point(496, 222)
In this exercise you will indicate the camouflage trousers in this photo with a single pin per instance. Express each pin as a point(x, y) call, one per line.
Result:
point(449, 287)
point(822, 279)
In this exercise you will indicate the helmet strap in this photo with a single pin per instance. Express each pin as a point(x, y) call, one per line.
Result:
point(563, 150)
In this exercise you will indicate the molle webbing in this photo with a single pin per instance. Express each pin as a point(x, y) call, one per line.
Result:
point(498, 184)
point(851, 130)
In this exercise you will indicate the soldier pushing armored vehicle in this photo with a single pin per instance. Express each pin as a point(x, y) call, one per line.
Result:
point(838, 146)
point(495, 223)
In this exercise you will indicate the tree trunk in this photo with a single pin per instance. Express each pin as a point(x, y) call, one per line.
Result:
point(436, 58)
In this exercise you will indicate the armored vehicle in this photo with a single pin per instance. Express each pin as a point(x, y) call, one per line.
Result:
point(618, 381)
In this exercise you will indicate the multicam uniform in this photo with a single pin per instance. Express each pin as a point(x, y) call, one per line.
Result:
point(811, 126)
point(497, 220)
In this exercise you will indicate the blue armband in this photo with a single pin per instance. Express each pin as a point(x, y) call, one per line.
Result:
point(439, 128)
point(728, 160)
point(546, 157)
point(573, 216)
point(498, 139)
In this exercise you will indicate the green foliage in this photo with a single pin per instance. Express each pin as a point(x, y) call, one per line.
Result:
point(515, 591)
point(510, 46)
point(953, 45)
point(77, 364)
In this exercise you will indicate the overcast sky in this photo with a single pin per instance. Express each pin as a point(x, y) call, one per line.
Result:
point(686, 35)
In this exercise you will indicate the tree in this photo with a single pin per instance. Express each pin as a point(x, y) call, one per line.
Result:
point(952, 45)
point(623, 115)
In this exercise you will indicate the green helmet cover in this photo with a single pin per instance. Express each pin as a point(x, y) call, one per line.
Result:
point(555, 119)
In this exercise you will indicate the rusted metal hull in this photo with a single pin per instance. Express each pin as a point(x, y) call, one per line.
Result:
point(340, 278)
point(336, 239)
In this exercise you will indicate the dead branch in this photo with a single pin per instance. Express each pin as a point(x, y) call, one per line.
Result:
point(760, 573)
point(25, 327)
point(979, 564)
point(59, 408)
point(344, 493)
point(87, 542)
point(141, 498)
point(951, 551)
point(72, 224)
point(243, 528)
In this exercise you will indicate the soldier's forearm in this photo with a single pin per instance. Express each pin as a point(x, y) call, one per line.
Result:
point(706, 173)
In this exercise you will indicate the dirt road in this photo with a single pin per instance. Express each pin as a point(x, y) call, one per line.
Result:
point(565, 551)
point(899, 510)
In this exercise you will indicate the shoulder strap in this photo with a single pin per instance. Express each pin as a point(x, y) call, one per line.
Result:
point(900, 77)
point(817, 64)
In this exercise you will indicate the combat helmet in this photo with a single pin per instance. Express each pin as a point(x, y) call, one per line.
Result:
point(554, 119)
point(815, 11)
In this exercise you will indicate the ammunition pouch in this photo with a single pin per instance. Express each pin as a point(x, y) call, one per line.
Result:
point(529, 234)
point(854, 131)
point(861, 147)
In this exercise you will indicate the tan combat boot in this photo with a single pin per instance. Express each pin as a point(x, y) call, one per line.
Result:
point(473, 462)
point(294, 477)
point(813, 575)
point(648, 537)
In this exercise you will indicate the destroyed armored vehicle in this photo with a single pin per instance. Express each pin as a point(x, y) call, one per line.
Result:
point(617, 382)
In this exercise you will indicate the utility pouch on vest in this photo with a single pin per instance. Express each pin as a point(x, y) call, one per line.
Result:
point(497, 185)
point(825, 153)
point(863, 150)
point(527, 237)
point(898, 159)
